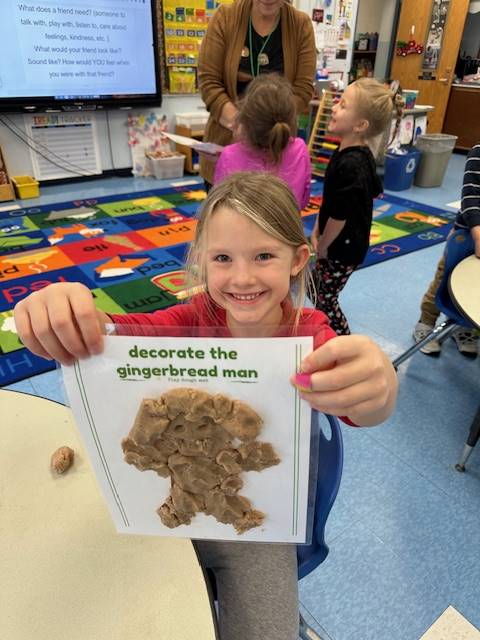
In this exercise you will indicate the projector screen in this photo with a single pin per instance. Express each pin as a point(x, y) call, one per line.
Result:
point(77, 54)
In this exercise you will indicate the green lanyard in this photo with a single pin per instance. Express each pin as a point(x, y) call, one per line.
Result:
point(261, 50)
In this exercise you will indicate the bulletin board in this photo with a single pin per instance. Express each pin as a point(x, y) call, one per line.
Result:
point(184, 26)
point(334, 28)
point(435, 36)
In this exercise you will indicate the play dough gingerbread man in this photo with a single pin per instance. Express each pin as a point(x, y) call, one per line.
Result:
point(202, 442)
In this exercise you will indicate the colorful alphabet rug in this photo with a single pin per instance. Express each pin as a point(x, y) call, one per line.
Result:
point(129, 250)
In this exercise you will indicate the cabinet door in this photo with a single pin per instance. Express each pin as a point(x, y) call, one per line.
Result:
point(462, 116)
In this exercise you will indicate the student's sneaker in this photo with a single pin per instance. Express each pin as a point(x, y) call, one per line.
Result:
point(466, 341)
point(421, 331)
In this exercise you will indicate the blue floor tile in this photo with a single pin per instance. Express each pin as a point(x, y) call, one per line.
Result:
point(97, 188)
point(439, 196)
point(365, 591)
point(24, 386)
point(50, 385)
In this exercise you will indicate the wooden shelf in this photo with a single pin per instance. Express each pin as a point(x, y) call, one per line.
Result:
point(366, 51)
point(181, 130)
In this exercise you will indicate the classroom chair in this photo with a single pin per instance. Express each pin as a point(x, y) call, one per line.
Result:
point(473, 438)
point(329, 472)
point(330, 456)
point(459, 246)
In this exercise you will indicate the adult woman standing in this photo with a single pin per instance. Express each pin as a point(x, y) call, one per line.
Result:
point(245, 39)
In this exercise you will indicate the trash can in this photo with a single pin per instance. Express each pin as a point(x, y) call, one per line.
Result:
point(436, 149)
point(400, 169)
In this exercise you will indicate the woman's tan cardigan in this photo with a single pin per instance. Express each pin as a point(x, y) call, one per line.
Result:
point(220, 56)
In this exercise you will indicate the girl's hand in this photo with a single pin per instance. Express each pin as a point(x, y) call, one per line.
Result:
point(475, 231)
point(228, 117)
point(322, 254)
point(61, 322)
point(349, 376)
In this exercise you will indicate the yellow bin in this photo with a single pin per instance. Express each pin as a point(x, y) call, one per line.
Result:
point(26, 187)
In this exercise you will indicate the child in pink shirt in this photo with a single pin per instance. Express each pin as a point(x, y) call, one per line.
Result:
point(267, 124)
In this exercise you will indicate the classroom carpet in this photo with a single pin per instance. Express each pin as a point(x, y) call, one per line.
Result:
point(130, 249)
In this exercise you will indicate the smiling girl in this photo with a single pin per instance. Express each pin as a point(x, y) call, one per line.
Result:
point(250, 250)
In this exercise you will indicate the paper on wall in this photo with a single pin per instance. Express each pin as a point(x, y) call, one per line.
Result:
point(105, 393)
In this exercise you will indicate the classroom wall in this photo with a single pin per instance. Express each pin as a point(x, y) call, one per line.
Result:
point(386, 33)
point(18, 157)
point(471, 35)
point(369, 16)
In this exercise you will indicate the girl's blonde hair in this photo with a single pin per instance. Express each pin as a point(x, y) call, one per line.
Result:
point(268, 114)
point(377, 103)
point(265, 200)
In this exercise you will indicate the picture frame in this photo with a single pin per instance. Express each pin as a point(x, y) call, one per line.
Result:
point(363, 44)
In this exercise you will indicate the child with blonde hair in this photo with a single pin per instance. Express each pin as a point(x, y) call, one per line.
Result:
point(341, 234)
point(250, 250)
point(267, 125)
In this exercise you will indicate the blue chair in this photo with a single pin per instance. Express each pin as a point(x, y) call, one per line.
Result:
point(459, 246)
point(330, 456)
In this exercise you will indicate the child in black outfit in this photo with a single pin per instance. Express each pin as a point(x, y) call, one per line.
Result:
point(341, 234)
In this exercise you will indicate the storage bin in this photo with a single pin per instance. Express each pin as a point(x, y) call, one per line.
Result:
point(26, 187)
point(6, 192)
point(410, 97)
point(436, 149)
point(400, 170)
point(6, 188)
point(167, 167)
point(195, 120)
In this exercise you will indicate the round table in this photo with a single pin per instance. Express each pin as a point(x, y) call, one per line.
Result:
point(464, 287)
point(65, 572)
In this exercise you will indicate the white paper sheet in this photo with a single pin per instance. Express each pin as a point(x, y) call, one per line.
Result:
point(454, 205)
point(206, 147)
point(105, 393)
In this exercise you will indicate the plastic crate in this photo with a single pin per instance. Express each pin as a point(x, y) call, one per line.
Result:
point(195, 121)
point(26, 187)
point(169, 167)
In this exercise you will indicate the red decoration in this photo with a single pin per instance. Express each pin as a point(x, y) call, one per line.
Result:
point(406, 48)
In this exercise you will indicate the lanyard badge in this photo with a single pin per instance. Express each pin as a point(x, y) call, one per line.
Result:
point(262, 58)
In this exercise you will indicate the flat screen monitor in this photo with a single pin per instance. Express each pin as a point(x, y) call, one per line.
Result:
point(78, 55)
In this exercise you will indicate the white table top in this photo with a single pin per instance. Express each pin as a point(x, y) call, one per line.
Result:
point(451, 624)
point(464, 285)
point(65, 572)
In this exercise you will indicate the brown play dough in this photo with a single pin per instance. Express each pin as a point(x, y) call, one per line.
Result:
point(202, 442)
point(62, 459)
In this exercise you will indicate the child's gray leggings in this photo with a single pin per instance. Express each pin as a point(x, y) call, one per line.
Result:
point(257, 588)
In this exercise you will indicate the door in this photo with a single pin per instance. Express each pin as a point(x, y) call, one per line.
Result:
point(409, 69)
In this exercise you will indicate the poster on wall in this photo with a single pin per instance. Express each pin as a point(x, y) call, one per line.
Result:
point(185, 24)
point(334, 26)
point(72, 143)
point(436, 31)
